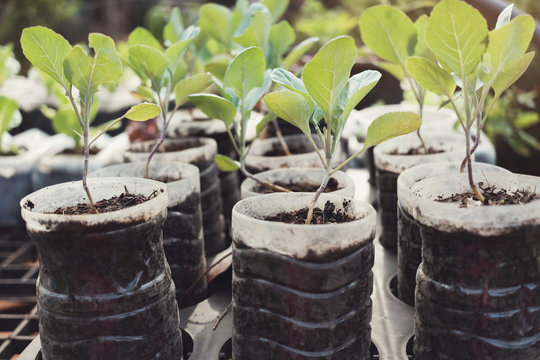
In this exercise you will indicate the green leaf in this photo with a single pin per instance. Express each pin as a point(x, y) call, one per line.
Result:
point(390, 125)
point(87, 73)
point(327, 74)
point(388, 32)
point(145, 93)
point(8, 109)
point(175, 27)
point(240, 8)
point(141, 36)
point(288, 80)
point(176, 50)
point(455, 33)
point(149, 61)
point(257, 33)
point(225, 163)
point(276, 7)
point(218, 67)
point(142, 112)
point(215, 21)
point(298, 51)
point(504, 16)
point(526, 119)
point(421, 48)
point(431, 76)
point(512, 73)
point(359, 86)
point(281, 37)
point(506, 46)
point(245, 72)
point(46, 50)
point(291, 107)
point(191, 85)
point(255, 95)
point(215, 107)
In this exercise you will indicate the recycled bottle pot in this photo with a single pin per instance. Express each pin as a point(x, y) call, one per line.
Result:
point(194, 123)
point(182, 232)
point(391, 159)
point(477, 294)
point(198, 151)
point(301, 291)
point(313, 176)
point(409, 252)
point(104, 289)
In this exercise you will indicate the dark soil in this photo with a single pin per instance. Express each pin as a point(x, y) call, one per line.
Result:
point(493, 196)
point(167, 147)
point(327, 216)
point(93, 151)
point(418, 151)
point(262, 188)
point(125, 200)
point(295, 149)
point(166, 179)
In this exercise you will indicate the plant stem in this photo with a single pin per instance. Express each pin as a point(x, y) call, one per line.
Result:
point(280, 137)
point(469, 170)
point(86, 131)
point(263, 182)
point(161, 135)
point(420, 98)
point(316, 197)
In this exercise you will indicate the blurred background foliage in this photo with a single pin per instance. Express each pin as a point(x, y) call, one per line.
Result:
point(513, 126)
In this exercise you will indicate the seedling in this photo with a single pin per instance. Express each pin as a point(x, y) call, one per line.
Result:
point(72, 67)
point(9, 66)
point(326, 91)
point(392, 36)
point(10, 117)
point(246, 81)
point(474, 59)
point(164, 71)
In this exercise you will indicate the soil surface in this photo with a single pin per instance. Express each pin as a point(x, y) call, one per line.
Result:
point(493, 196)
point(166, 179)
point(123, 201)
point(327, 216)
point(167, 147)
point(296, 187)
point(418, 151)
point(295, 149)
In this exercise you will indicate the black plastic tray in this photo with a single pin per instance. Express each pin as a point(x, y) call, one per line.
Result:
point(392, 323)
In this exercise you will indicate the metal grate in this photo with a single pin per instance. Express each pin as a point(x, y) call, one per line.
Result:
point(18, 273)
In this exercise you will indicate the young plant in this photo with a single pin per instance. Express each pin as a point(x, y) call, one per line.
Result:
point(475, 59)
point(10, 117)
point(9, 66)
point(326, 91)
point(251, 25)
point(392, 36)
point(246, 81)
point(72, 67)
point(163, 71)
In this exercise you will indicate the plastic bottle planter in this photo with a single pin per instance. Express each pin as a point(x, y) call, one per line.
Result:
point(60, 168)
point(409, 252)
point(301, 291)
point(104, 290)
point(391, 160)
point(298, 176)
point(182, 232)
point(266, 154)
point(199, 152)
point(477, 294)
point(194, 123)
point(433, 118)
